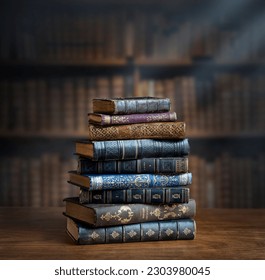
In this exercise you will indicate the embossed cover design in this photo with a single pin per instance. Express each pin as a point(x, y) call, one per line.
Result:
point(99, 215)
point(129, 181)
point(156, 130)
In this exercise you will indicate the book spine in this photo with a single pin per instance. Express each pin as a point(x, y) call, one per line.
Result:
point(137, 213)
point(153, 196)
point(145, 165)
point(137, 118)
point(142, 148)
point(135, 181)
point(132, 106)
point(154, 231)
point(157, 130)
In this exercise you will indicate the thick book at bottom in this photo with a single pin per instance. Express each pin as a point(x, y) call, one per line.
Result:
point(151, 231)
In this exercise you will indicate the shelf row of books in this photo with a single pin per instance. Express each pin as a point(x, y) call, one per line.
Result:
point(48, 105)
point(133, 175)
point(35, 181)
point(227, 181)
point(229, 104)
point(85, 36)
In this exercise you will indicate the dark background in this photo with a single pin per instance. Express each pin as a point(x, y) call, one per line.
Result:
point(207, 56)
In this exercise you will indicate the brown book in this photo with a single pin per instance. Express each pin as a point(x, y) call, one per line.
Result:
point(99, 215)
point(156, 130)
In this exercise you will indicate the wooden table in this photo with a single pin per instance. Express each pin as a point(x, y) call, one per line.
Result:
point(39, 233)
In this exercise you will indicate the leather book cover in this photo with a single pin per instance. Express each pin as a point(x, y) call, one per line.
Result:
point(133, 105)
point(152, 196)
point(132, 149)
point(100, 215)
point(82, 234)
point(156, 130)
point(105, 120)
point(128, 181)
point(145, 165)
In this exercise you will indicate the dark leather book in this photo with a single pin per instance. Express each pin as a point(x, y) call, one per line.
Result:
point(101, 215)
point(128, 181)
point(145, 165)
point(151, 196)
point(131, 105)
point(104, 120)
point(155, 130)
point(132, 149)
point(82, 234)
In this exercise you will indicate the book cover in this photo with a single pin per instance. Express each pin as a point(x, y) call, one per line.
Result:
point(144, 165)
point(152, 195)
point(82, 234)
point(103, 119)
point(101, 215)
point(156, 130)
point(132, 149)
point(133, 105)
point(128, 181)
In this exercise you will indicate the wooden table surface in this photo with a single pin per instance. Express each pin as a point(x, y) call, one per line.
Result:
point(39, 233)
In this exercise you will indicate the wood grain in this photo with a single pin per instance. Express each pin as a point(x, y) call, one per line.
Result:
point(39, 233)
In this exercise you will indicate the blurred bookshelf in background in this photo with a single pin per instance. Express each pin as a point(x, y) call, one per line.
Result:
point(207, 57)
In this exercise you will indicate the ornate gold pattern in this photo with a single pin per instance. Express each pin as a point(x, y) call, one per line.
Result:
point(132, 233)
point(123, 215)
point(156, 196)
point(170, 211)
point(184, 209)
point(137, 196)
point(97, 196)
point(169, 232)
point(94, 235)
point(150, 232)
point(115, 234)
point(186, 231)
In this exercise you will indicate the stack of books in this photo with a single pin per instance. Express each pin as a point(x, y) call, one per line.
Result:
point(133, 175)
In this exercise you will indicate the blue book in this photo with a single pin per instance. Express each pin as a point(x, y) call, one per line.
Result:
point(132, 149)
point(145, 165)
point(82, 234)
point(128, 181)
point(149, 195)
point(102, 215)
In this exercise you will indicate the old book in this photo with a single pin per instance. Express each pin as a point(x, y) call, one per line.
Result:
point(82, 234)
point(128, 181)
point(103, 119)
point(144, 165)
point(131, 105)
point(156, 130)
point(152, 195)
point(101, 215)
point(132, 149)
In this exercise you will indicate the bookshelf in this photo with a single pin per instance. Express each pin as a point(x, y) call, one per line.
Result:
point(208, 61)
